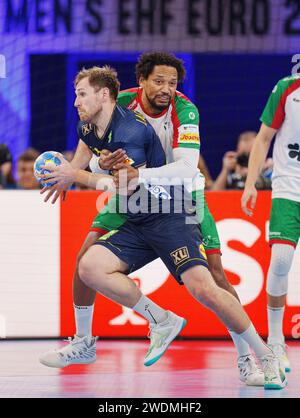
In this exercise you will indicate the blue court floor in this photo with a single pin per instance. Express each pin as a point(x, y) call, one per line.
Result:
point(196, 369)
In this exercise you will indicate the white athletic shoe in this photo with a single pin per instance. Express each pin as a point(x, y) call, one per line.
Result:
point(274, 374)
point(250, 373)
point(161, 335)
point(280, 351)
point(80, 350)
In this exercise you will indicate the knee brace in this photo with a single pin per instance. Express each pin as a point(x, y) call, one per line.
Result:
point(281, 261)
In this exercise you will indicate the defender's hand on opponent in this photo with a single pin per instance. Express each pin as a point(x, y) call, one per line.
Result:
point(126, 177)
point(108, 159)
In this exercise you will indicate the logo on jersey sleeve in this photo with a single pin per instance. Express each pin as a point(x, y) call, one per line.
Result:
point(188, 134)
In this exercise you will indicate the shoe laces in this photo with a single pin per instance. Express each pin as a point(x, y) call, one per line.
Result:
point(73, 347)
point(248, 365)
point(278, 349)
point(270, 364)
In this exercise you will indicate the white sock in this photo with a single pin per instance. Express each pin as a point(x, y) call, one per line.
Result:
point(150, 311)
point(275, 318)
point(84, 320)
point(241, 345)
point(255, 342)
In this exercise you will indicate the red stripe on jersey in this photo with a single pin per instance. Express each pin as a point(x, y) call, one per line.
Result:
point(176, 124)
point(178, 93)
point(213, 251)
point(280, 113)
point(282, 241)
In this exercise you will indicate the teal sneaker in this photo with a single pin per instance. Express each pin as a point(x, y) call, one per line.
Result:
point(274, 374)
point(161, 335)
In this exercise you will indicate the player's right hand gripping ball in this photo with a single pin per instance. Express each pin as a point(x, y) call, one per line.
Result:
point(48, 157)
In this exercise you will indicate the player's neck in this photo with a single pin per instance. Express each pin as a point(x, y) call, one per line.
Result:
point(104, 117)
point(150, 110)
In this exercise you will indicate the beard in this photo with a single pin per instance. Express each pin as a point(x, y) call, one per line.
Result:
point(157, 106)
point(83, 116)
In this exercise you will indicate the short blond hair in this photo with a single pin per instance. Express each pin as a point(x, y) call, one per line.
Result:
point(100, 77)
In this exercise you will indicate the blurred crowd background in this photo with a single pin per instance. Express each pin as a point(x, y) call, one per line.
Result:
point(231, 177)
point(234, 53)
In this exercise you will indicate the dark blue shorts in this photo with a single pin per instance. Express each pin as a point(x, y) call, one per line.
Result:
point(167, 236)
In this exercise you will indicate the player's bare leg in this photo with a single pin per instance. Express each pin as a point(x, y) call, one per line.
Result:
point(82, 348)
point(120, 289)
point(96, 269)
point(218, 274)
point(201, 285)
point(102, 270)
point(82, 294)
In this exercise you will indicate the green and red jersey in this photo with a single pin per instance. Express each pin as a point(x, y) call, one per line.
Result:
point(282, 112)
point(177, 126)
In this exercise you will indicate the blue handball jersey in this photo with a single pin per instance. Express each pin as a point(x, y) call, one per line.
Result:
point(130, 131)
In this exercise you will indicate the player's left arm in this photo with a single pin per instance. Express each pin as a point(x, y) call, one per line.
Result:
point(257, 159)
point(272, 118)
point(186, 148)
point(185, 166)
point(82, 156)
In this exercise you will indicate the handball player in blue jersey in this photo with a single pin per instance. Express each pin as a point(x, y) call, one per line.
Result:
point(105, 265)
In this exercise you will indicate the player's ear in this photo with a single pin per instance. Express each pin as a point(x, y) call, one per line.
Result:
point(141, 81)
point(101, 93)
point(105, 92)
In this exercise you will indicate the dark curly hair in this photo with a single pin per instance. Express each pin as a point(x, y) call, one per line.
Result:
point(148, 60)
